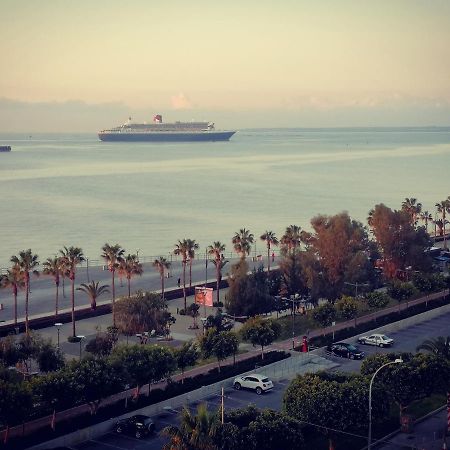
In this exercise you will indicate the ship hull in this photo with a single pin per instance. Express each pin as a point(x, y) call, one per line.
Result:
point(209, 136)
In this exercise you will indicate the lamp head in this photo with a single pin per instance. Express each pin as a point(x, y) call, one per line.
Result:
point(398, 360)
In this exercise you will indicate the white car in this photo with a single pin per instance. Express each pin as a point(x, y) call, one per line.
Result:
point(259, 383)
point(380, 340)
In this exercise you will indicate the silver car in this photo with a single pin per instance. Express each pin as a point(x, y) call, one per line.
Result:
point(254, 381)
point(380, 340)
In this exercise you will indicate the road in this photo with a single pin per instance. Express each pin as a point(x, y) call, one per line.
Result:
point(42, 296)
point(406, 340)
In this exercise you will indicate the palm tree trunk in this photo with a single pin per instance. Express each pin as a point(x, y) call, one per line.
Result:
point(27, 288)
point(184, 285)
point(56, 299)
point(190, 272)
point(113, 298)
point(129, 286)
point(72, 281)
point(268, 258)
point(443, 224)
point(162, 284)
point(15, 304)
point(218, 279)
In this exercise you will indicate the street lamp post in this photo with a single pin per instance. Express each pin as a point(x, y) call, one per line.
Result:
point(355, 285)
point(81, 338)
point(58, 326)
point(293, 299)
point(369, 437)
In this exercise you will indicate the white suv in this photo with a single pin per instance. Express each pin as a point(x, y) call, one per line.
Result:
point(259, 383)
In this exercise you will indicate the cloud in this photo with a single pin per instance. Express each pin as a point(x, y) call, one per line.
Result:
point(180, 101)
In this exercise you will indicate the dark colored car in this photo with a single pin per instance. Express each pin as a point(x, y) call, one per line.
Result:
point(345, 350)
point(138, 426)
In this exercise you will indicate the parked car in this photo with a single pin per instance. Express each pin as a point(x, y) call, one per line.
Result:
point(138, 426)
point(254, 381)
point(380, 340)
point(345, 350)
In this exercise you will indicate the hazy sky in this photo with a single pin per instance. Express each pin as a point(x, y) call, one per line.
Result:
point(332, 62)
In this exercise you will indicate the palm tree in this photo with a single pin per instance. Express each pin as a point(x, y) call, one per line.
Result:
point(14, 280)
point(242, 242)
point(442, 208)
point(129, 267)
point(53, 267)
point(426, 217)
point(72, 257)
point(270, 240)
point(194, 432)
point(440, 346)
point(291, 238)
point(93, 291)
point(113, 255)
point(26, 262)
point(217, 249)
point(161, 265)
point(182, 249)
point(412, 208)
point(191, 254)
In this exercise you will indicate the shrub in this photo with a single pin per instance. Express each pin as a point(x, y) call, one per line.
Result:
point(401, 291)
point(377, 300)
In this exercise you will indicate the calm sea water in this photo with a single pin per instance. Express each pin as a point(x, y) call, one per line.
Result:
point(61, 190)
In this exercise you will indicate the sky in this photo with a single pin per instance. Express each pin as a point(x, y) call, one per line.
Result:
point(76, 65)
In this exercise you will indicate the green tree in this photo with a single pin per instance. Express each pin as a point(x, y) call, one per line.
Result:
point(130, 267)
point(413, 208)
point(270, 238)
point(217, 249)
point(13, 279)
point(337, 252)
point(52, 268)
point(335, 402)
point(49, 358)
point(400, 244)
point(186, 356)
point(443, 208)
point(417, 377)
point(254, 429)
point(145, 311)
point(242, 242)
point(101, 345)
point(182, 249)
point(195, 431)
point(260, 332)
point(93, 291)
point(291, 240)
point(347, 307)
point(193, 312)
point(113, 256)
point(192, 246)
point(439, 346)
point(325, 314)
point(72, 256)
point(248, 295)
point(400, 291)
point(26, 262)
point(161, 265)
point(96, 379)
point(219, 344)
point(16, 402)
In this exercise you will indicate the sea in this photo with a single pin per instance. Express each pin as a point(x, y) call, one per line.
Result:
point(74, 190)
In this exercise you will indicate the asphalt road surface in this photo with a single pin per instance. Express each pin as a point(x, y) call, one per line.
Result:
point(43, 290)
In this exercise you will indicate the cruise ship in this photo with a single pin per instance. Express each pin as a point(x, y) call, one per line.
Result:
point(157, 131)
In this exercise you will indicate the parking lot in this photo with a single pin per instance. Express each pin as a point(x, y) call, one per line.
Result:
point(232, 400)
